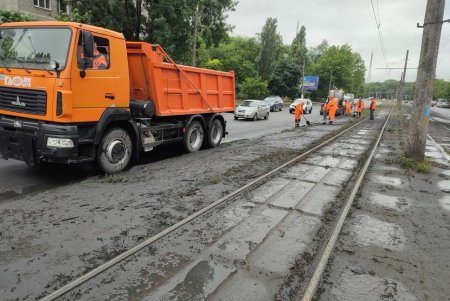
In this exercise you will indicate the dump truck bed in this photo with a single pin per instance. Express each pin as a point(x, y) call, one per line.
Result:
point(177, 89)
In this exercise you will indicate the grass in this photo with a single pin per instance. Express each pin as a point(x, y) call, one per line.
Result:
point(422, 167)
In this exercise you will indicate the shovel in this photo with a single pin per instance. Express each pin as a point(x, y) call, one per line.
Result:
point(307, 121)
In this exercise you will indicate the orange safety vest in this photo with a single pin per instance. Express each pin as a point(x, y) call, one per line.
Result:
point(373, 104)
point(99, 61)
point(298, 111)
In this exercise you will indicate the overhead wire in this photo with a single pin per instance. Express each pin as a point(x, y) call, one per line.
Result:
point(380, 35)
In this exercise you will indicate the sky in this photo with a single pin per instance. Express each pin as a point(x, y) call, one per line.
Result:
point(351, 22)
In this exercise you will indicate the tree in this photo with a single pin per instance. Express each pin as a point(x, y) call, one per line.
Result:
point(286, 79)
point(253, 87)
point(316, 52)
point(270, 41)
point(298, 48)
point(441, 89)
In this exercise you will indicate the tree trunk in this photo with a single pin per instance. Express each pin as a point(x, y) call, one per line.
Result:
point(421, 110)
point(194, 38)
point(138, 19)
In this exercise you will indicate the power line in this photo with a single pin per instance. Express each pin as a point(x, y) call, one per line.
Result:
point(380, 34)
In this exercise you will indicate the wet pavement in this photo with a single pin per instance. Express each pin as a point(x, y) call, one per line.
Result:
point(394, 245)
point(250, 256)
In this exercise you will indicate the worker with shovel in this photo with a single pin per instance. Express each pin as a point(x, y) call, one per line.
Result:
point(332, 108)
point(298, 113)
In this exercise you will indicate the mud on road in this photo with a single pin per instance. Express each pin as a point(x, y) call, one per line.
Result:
point(51, 237)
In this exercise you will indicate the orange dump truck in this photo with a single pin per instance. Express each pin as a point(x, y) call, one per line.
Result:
point(72, 93)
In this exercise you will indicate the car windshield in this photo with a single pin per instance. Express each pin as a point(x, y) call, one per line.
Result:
point(297, 101)
point(33, 48)
point(249, 103)
point(270, 101)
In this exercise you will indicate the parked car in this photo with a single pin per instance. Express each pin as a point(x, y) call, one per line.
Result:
point(443, 103)
point(307, 107)
point(275, 103)
point(252, 109)
point(433, 103)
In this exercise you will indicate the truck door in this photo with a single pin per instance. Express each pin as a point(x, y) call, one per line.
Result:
point(97, 90)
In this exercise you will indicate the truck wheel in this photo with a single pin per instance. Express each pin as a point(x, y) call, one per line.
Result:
point(214, 134)
point(114, 152)
point(193, 139)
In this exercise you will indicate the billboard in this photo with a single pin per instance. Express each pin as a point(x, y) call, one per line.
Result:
point(310, 83)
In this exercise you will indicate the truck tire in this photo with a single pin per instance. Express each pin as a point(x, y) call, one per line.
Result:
point(114, 151)
point(193, 138)
point(214, 134)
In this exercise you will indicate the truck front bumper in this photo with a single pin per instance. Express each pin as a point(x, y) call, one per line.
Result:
point(26, 140)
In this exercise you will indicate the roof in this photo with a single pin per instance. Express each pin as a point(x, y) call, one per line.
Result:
point(91, 28)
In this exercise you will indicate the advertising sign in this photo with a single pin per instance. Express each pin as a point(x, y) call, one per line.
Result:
point(311, 83)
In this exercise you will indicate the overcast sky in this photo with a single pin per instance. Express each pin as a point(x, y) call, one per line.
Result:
point(351, 22)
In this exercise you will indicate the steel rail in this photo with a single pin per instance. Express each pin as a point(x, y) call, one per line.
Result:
point(82, 279)
point(315, 279)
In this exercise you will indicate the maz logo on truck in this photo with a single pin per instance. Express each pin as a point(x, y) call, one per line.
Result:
point(17, 81)
point(18, 103)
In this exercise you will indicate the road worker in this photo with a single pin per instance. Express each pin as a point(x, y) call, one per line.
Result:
point(332, 107)
point(348, 107)
point(372, 107)
point(359, 107)
point(99, 61)
point(298, 113)
point(344, 104)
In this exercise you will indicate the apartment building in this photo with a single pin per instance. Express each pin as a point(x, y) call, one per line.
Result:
point(39, 9)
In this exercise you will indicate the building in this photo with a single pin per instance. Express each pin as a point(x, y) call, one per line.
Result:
point(39, 9)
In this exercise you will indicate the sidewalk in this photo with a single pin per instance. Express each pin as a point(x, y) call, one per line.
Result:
point(395, 244)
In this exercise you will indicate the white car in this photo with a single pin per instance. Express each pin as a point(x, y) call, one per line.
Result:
point(252, 109)
point(307, 107)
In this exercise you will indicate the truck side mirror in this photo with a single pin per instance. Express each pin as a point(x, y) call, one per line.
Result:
point(87, 42)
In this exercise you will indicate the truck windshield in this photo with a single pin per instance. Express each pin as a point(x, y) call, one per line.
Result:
point(33, 48)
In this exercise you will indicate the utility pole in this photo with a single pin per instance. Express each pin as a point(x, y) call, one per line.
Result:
point(421, 111)
point(194, 38)
point(303, 77)
point(402, 82)
point(369, 76)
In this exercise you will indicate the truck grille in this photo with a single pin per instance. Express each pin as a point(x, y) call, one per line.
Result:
point(23, 100)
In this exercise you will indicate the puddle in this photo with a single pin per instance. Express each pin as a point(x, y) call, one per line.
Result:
point(245, 286)
point(200, 280)
point(397, 203)
point(444, 186)
point(445, 202)
point(368, 288)
point(370, 231)
point(388, 180)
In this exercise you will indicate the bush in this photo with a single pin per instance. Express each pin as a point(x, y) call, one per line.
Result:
point(13, 16)
point(253, 87)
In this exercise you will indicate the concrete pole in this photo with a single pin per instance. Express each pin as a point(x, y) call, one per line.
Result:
point(303, 78)
point(421, 110)
point(402, 82)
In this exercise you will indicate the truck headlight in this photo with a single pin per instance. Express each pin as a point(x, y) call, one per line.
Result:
point(59, 142)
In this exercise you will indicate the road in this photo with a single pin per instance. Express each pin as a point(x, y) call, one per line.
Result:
point(17, 177)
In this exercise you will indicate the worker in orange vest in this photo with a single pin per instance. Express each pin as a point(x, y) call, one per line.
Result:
point(348, 107)
point(325, 110)
point(298, 113)
point(372, 107)
point(99, 61)
point(359, 107)
point(332, 107)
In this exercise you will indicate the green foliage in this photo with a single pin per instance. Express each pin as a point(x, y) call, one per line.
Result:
point(269, 52)
point(410, 164)
point(441, 89)
point(13, 16)
point(286, 79)
point(214, 64)
point(253, 87)
point(315, 53)
point(298, 48)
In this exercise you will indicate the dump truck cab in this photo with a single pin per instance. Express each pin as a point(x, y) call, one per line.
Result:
point(71, 92)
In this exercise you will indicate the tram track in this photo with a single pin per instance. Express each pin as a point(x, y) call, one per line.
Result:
point(248, 187)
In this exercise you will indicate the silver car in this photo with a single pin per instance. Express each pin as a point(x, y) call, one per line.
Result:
point(252, 109)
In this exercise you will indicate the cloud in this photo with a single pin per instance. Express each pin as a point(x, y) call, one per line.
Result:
point(351, 22)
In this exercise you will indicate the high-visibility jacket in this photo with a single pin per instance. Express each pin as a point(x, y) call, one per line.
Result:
point(359, 105)
point(332, 107)
point(298, 111)
point(99, 61)
point(373, 104)
point(348, 107)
